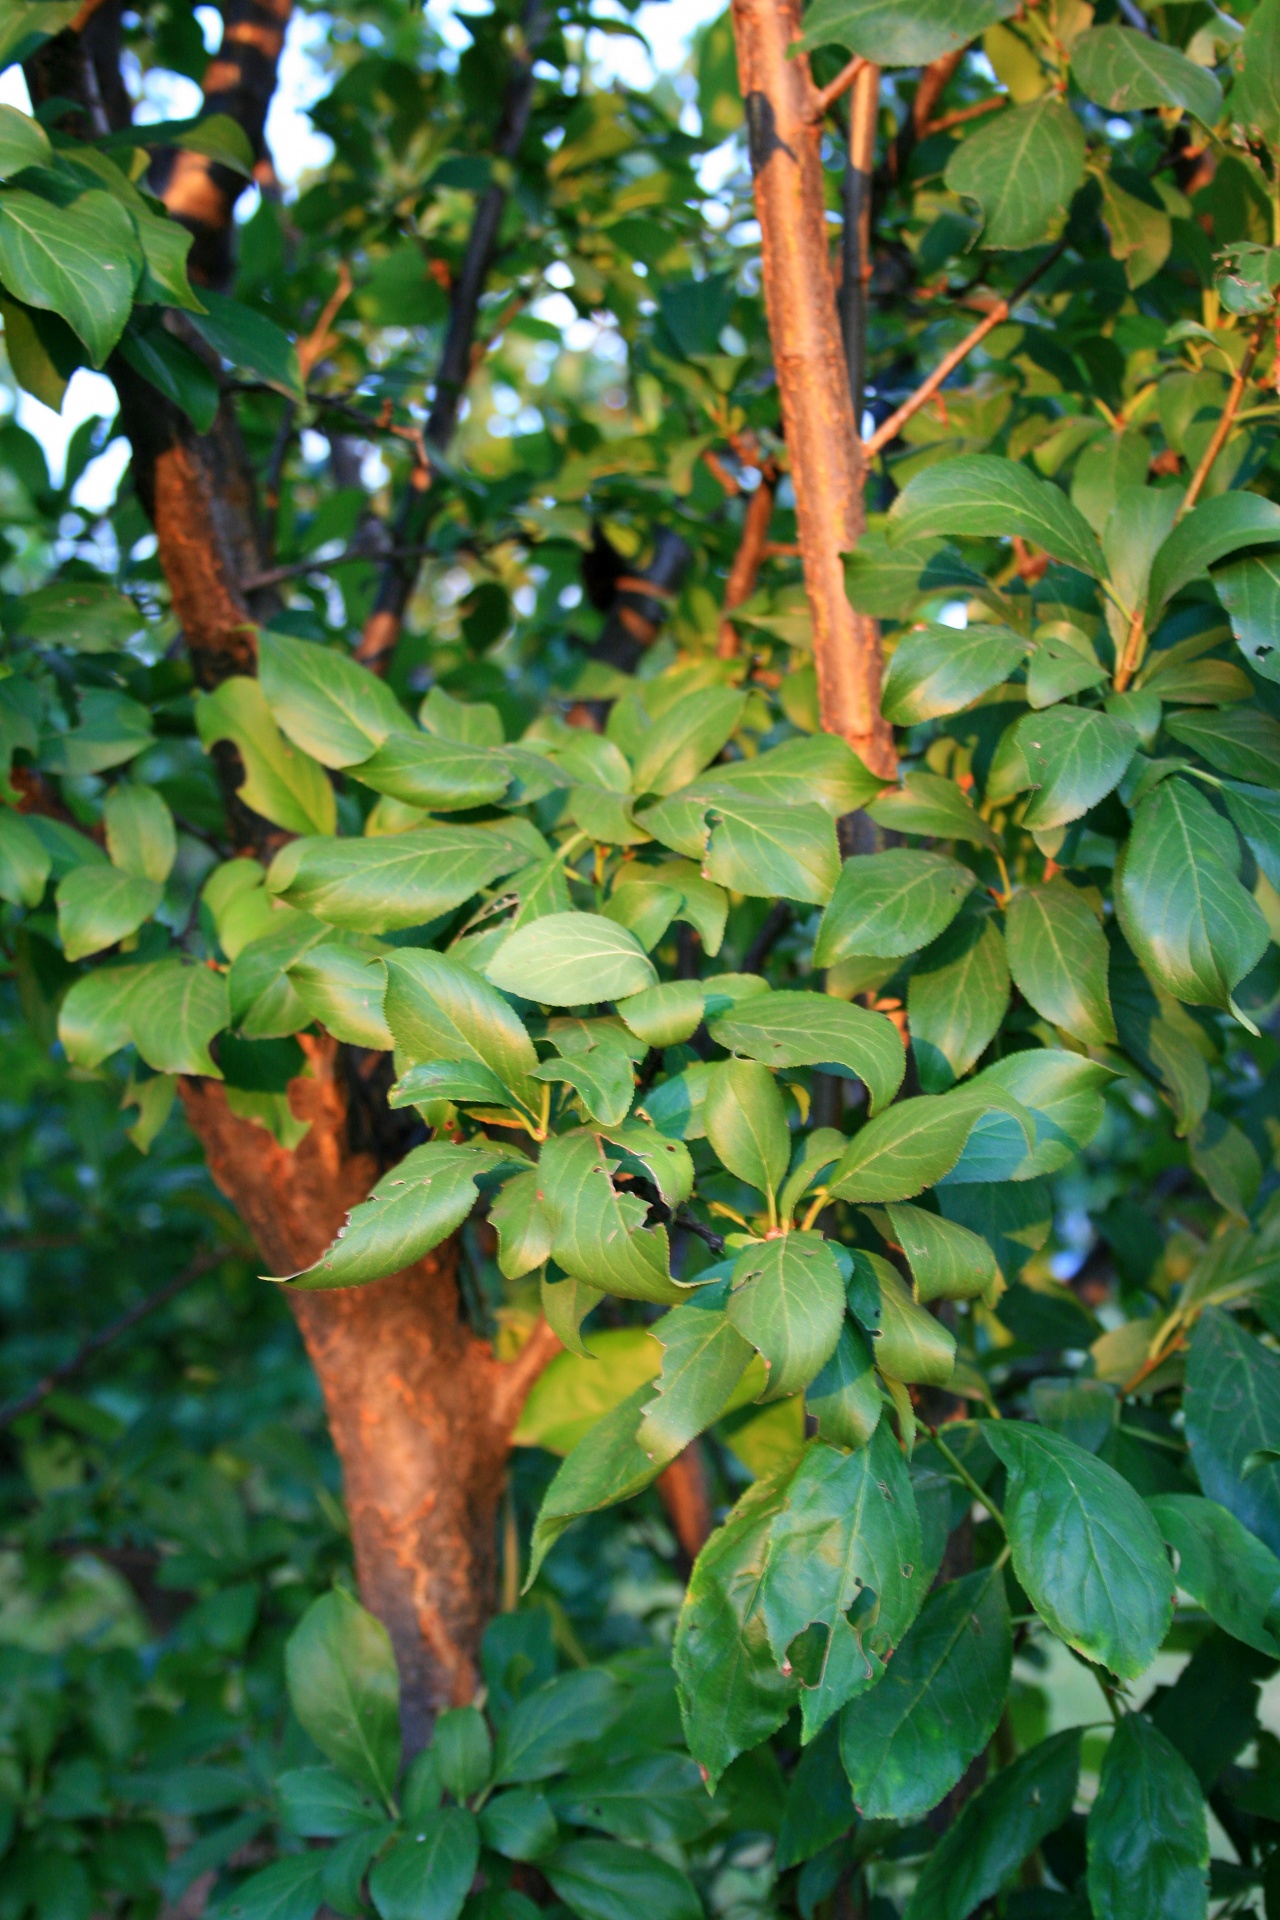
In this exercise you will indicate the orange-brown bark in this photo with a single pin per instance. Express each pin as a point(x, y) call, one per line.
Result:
point(420, 1411)
point(784, 132)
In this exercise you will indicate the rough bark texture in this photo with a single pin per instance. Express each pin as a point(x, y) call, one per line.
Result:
point(420, 1411)
point(822, 442)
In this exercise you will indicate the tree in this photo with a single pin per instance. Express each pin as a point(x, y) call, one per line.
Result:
point(681, 1025)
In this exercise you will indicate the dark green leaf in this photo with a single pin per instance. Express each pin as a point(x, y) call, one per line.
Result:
point(655, 1798)
point(1084, 1547)
point(939, 670)
point(947, 1261)
point(1224, 1568)
point(249, 341)
point(1125, 71)
point(907, 1742)
point(1022, 167)
point(1210, 532)
point(890, 904)
point(1058, 959)
point(80, 261)
point(845, 1398)
point(895, 36)
point(1148, 1830)
point(704, 1356)
point(546, 1730)
point(746, 1123)
point(412, 1209)
point(788, 1302)
point(428, 1874)
point(603, 1880)
point(997, 1829)
point(334, 709)
point(808, 1030)
point(984, 495)
point(1244, 743)
point(345, 1691)
point(957, 997)
point(598, 1234)
point(1232, 1404)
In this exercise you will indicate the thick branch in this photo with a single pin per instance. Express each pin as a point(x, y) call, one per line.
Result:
point(817, 412)
point(855, 243)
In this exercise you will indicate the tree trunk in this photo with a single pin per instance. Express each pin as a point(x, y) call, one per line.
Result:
point(784, 132)
point(420, 1411)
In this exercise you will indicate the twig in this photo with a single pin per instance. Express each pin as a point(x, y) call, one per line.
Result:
point(825, 97)
point(274, 575)
point(12, 1410)
point(961, 114)
point(889, 429)
point(318, 341)
point(1134, 640)
point(1223, 428)
point(855, 242)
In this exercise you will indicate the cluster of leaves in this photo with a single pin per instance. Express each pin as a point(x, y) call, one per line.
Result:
point(700, 1155)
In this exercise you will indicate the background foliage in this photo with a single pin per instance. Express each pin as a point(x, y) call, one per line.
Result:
point(992, 1429)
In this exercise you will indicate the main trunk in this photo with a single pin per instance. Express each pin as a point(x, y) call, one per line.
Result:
point(784, 131)
point(419, 1409)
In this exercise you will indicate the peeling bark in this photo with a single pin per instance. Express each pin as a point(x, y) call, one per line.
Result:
point(420, 1411)
point(784, 132)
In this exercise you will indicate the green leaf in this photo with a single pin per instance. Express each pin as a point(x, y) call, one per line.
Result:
point(400, 880)
point(1063, 663)
point(654, 1798)
point(686, 739)
point(809, 1030)
point(141, 837)
point(788, 1301)
point(704, 1357)
point(578, 1389)
point(342, 987)
point(1255, 98)
point(463, 1751)
point(890, 904)
point(98, 906)
point(94, 1020)
point(990, 497)
point(323, 1804)
point(112, 730)
point(606, 1465)
point(892, 35)
point(1085, 1548)
point(665, 1162)
point(263, 1004)
point(1074, 757)
point(844, 1399)
point(175, 1016)
point(732, 1692)
point(249, 341)
point(846, 1542)
point(1058, 958)
point(439, 1009)
point(1148, 1836)
point(87, 615)
point(1060, 1091)
point(947, 1261)
point(23, 143)
point(1244, 743)
point(42, 351)
point(930, 805)
point(909, 1344)
point(1223, 1567)
point(78, 260)
point(412, 1209)
point(571, 959)
point(664, 1015)
point(907, 1742)
point(746, 1123)
point(1210, 532)
point(1232, 1405)
point(646, 911)
point(331, 707)
point(899, 1153)
point(1126, 71)
point(997, 1829)
point(288, 1889)
point(938, 670)
point(604, 1880)
point(764, 850)
point(422, 771)
point(427, 1875)
point(546, 1731)
point(1182, 909)
point(1022, 167)
point(602, 1077)
point(822, 771)
point(25, 864)
point(598, 1234)
point(281, 783)
point(957, 997)
point(1014, 1220)
point(344, 1688)
point(519, 1825)
point(1250, 591)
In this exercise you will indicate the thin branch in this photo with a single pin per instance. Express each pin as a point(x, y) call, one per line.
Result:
point(350, 557)
point(825, 97)
point(1225, 424)
point(1135, 639)
point(889, 429)
point(316, 344)
point(946, 121)
point(855, 241)
point(12, 1410)
point(516, 1377)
